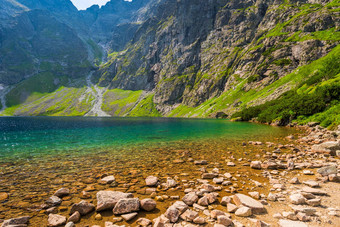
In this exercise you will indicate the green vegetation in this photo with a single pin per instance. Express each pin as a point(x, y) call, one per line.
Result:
point(34, 88)
point(145, 108)
point(65, 101)
point(119, 102)
point(318, 91)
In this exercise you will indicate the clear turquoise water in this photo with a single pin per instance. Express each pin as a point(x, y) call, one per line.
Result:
point(34, 136)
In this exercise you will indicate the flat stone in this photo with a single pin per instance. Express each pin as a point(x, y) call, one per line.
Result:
point(201, 162)
point(209, 175)
point(243, 212)
point(314, 191)
point(62, 192)
point(143, 222)
point(256, 206)
point(288, 223)
point(82, 207)
point(307, 210)
point(108, 180)
point(124, 206)
point(107, 200)
point(189, 215)
point(311, 183)
point(327, 170)
point(148, 204)
point(314, 202)
point(56, 220)
point(16, 221)
point(151, 181)
point(130, 216)
point(255, 195)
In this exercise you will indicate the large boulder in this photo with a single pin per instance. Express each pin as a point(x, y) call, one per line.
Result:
point(107, 200)
point(329, 147)
point(124, 206)
point(255, 206)
point(56, 220)
point(83, 208)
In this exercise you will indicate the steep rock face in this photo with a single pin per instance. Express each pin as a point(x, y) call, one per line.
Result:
point(35, 41)
point(188, 52)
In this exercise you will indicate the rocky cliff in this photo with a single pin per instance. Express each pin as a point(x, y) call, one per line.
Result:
point(198, 58)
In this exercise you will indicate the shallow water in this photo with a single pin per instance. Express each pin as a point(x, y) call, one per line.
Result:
point(39, 155)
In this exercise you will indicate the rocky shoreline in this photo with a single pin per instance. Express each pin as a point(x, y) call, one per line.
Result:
point(302, 190)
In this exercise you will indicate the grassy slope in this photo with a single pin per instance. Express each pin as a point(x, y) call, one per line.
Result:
point(315, 96)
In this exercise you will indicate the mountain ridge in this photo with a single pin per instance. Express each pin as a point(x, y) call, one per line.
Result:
point(201, 58)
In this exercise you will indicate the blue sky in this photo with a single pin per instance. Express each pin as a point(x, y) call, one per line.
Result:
point(84, 4)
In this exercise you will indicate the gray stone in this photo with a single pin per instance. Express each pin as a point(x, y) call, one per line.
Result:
point(148, 204)
point(143, 222)
point(53, 201)
point(62, 192)
point(172, 214)
point(56, 220)
point(70, 224)
point(75, 217)
point(189, 215)
point(327, 170)
point(130, 216)
point(297, 199)
point(83, 207)
point(128, 205)
point(190, 198)
point(256, 206)
point(243, 212)
point(108, 180)
point(224, 220)
point(151, 181)
point(107, 200)
point(16, 221)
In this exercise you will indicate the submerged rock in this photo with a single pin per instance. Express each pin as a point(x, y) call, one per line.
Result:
point(107, 200)
point(56, 220)
point(124, 206)
point(82, 207)
point(151, 181)
point(62, 192)
point(16, 221)
point(148, 204)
